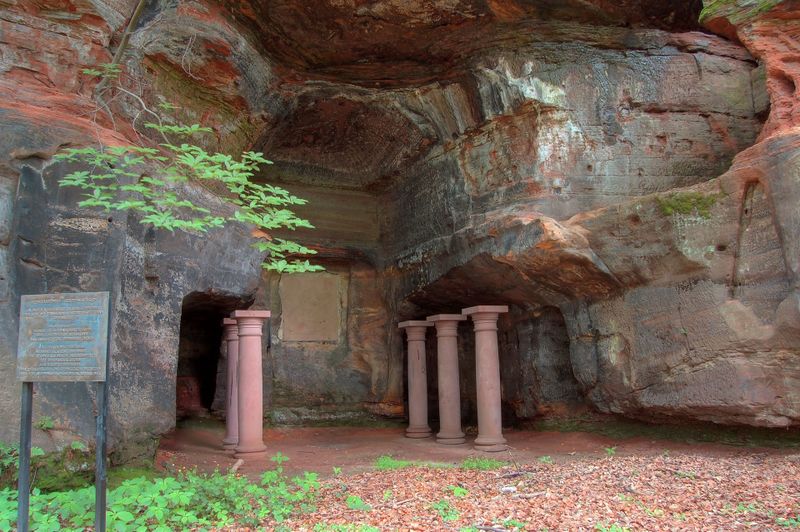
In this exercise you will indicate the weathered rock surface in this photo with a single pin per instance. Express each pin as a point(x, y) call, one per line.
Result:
point(592, 164)
point(58, 248)
point(669, 313)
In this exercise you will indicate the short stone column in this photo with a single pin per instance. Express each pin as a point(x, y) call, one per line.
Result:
point(230, 333)
point(487, 364)
point(417, 379)
point(450, 432)
point(250, 393)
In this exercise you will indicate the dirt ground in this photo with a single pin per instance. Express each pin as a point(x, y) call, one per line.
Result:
point(354, 449)
point(552, 481)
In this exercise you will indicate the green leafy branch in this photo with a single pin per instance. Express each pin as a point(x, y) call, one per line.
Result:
point(120, 178)
point(147, 180)
point(106, 70)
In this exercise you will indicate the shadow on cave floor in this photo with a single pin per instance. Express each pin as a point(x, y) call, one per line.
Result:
point(623, 428)
point(355, 449)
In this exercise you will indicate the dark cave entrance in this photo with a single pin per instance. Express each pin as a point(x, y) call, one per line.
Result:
point(200, 382)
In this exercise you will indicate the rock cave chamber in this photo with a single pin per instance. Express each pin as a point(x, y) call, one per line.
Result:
point(622, 176)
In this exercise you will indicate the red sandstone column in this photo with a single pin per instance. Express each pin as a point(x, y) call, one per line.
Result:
point(487, 363)
point(230, 332)
point(417, 379)
point(250, 397)
point(449, 391)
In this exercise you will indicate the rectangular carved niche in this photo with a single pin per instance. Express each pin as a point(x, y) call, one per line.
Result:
point(311, 307)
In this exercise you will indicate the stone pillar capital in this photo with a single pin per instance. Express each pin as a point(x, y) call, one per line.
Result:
point(446, 324)
point(250, 322)
point(446, 317)
point(485, 311)
point(412, 324)
point(415, 329)
point(230, 329)
point(485, 316)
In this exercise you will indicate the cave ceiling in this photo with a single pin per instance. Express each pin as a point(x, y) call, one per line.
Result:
point(348, 69)
point(408, 43)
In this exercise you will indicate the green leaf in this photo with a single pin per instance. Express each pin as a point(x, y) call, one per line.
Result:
point(110, 182)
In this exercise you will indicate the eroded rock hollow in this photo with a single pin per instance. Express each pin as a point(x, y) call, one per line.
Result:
point(623, 175)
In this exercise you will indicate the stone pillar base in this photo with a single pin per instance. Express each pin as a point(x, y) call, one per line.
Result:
point(258, 451)
point(491, 448)
point(418, 432)
point(450, 440)
point(490, 445)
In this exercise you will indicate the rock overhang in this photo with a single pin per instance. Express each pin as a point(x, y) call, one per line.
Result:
point(352, 94)
point(413, 41)
point(368, 51)
point(533, 104)
point(502, 161)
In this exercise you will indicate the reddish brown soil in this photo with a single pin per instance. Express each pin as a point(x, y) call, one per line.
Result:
point(633, 492)
point(354, 449)
point(645, 485)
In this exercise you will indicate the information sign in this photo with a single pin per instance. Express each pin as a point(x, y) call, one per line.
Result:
point(63, 337)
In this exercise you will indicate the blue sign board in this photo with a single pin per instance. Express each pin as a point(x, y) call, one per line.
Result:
point(63, 337)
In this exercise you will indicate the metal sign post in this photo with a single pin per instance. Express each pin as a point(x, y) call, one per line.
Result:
point(24, 476)
point(100, 459)
point(63, 338)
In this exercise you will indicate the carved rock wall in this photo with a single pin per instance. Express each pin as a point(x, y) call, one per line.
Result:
point(546, 155)
point(50, 245)
point(671, 312)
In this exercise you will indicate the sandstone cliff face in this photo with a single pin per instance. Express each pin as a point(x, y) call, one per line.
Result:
point(604, 168)
point(50, 245)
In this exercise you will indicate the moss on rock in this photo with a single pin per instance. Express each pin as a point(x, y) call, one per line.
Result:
point(688, 203)
point(72, 467)
point(736, 11)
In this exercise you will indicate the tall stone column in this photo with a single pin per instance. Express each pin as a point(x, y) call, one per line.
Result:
point(450, 432)
point(487, 363)
point(230, 332)
point(417, 379)
point(250, 396)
